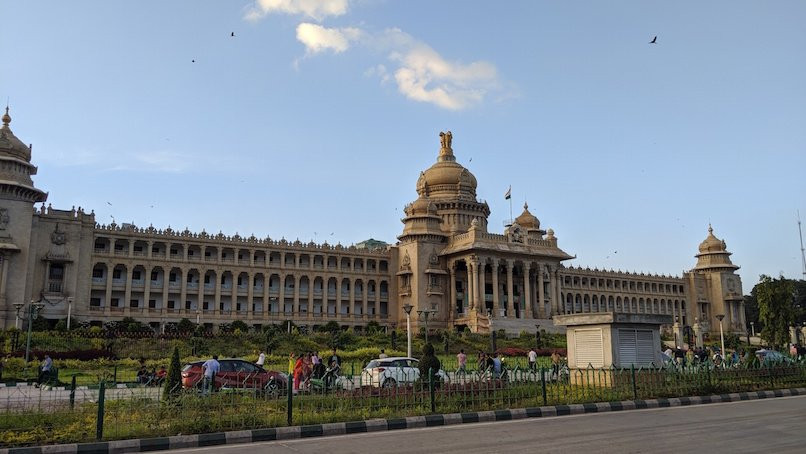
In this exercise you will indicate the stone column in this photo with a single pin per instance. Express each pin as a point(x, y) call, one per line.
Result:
point(147, 287)
point(555, 292)
point(266, 281)
point(476, 302)
point(110, 271)
point(217, 283)
point(338, 296)
point(527, 290)
point(452, 290)
point(510, 297)
point(483, 300)
point(250, 295)
point(677, 333)
point(496, 299)
point(183, 289)
point(281, 292)
point(541, 308)
point(697, 334)
point(233, 305)
point(128, 292)
point(295, 306)
point(200, 289)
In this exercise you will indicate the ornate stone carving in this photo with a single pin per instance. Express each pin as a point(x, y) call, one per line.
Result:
point(433, 260)
point(515, 233)
point(4, 218)
point(445, 139)
point(405, 264)
point(58, 237)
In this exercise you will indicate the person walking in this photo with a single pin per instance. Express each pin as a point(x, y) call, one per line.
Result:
point(44, 370)
point(210, 368)
point(383, 355)
point(532, 355)
point(461, 358)
point(261, 359)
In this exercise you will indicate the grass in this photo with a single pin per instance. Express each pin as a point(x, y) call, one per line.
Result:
point(190, 413)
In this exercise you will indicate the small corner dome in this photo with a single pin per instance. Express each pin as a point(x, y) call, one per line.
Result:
point(10, 144)
point(712, 243)
point(527, 220)
point(422, 206)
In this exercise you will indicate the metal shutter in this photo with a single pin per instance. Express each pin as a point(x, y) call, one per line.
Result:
point(646, 347)
point(627, 348)
point(588, 348)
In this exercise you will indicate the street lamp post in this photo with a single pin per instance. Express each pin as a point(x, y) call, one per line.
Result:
point(198, 316)
point(407, 309)
point(721, 334)
point(425, 313)
point(69, 311)
point(753, 328)
point(32, 312)
point(18, 308)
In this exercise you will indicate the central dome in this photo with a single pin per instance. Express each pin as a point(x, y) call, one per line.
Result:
point(447, 178)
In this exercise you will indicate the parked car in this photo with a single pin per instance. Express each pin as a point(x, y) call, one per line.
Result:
point(391, 372)
point(237, 374)
point(767, 357)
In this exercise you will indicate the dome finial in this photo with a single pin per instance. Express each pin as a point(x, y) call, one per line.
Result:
point(710, 229)
point(6, 117)
point(525, 206)
point(445, 150)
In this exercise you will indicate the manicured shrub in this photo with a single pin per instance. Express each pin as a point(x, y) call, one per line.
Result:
point(173, 382)
point(428, 361)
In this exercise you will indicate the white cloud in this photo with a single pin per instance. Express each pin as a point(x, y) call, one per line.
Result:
point(319, 39)
point(420, 72)
point(315, 9)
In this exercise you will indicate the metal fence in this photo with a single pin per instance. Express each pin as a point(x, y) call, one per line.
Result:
point(106, 411)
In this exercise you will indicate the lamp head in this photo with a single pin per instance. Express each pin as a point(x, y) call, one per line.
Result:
point(407, 308)
point(720, 317)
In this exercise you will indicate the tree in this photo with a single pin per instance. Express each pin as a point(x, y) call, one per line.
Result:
point(240, 325)
point(173, 382)
point(776, 309)
point(185, 326)
point(751, 311)
point(428, 361)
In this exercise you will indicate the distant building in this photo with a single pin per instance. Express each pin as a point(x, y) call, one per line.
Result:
point(446, 261)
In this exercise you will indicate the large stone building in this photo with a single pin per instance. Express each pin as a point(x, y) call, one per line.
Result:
point(446, 262)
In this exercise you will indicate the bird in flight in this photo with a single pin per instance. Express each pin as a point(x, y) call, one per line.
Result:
point(193, 61)
point(654, 40)
point(109, 203)
point(232, 34)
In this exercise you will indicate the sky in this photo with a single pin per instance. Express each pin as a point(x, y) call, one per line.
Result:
point(315, 119)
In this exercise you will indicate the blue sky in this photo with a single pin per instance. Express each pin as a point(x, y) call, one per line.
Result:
point(314, 121)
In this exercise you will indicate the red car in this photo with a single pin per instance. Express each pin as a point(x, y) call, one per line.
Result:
point(236, 373)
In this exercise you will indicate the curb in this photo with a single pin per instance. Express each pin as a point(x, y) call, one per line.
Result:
point(377, 425)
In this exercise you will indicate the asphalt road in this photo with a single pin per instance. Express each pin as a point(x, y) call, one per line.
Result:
point(769, 425)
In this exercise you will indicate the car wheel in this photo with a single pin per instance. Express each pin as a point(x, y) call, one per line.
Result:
point(271, 387)
point(389, 383)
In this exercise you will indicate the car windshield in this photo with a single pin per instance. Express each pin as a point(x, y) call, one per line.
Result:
point(372, 364)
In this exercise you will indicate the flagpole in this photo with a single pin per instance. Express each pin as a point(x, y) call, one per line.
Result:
point(510, 210)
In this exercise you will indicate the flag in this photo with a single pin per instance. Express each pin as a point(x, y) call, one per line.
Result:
point(508, 195)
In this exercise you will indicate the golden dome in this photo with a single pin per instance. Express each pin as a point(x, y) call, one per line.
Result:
point(527, 220)
point(447, 178)
point(712, 243)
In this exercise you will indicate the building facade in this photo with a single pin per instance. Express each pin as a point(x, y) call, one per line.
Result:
point(446, 268)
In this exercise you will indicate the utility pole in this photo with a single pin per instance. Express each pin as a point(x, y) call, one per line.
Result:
point(802, 253)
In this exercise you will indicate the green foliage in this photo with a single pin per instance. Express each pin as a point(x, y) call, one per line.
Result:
point(173, 382)
point(239, 325)
point(776, 309)
point(185, 326)
point(61, 325)
point(373, 327)
point(331, 327)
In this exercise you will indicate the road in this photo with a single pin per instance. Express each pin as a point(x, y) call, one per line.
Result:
point(769, 425)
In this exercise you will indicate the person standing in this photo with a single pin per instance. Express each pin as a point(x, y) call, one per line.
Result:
point(498, 366)
point(555, 364)
point(261, 359)
point(209, 369)
point(383, 355)
point(44, 369)
point(532, 355)
point(462, 359)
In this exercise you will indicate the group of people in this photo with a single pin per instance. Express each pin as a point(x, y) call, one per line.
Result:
point(154, 377)
point(496, 364)
point(305, 366)
point(700, 355)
